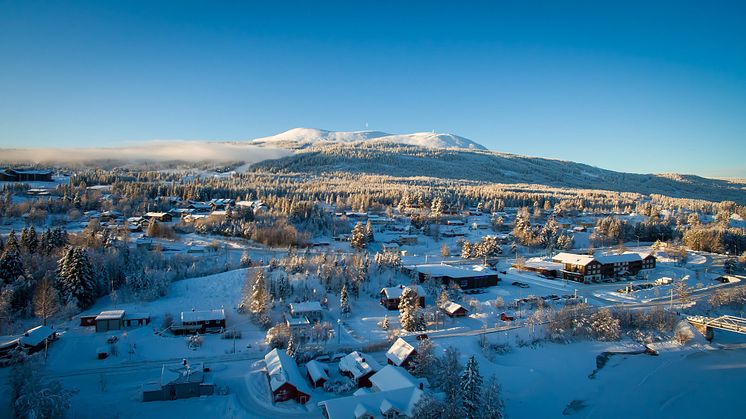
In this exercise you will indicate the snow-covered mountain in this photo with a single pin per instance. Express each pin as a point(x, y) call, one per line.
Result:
point(304, 137)
point(398, 160)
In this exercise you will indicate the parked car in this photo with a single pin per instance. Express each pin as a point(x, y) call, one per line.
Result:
point(112, 339)
point(520, 284)
point(504, 272)
point(504, 317)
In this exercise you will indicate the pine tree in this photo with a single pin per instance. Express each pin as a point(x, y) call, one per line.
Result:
point(344, 305)
point(292, 347)
point(471, 388)
point(436, 207)
point(448, 379)
point(411, 317)
point(443, 299)
point(466, 250)
point(358, 238)
point(11, 264)
point(385, 322)
point(424, 360)
point(492, 404)
point(259, 295)
point(369, 237)
point(77, 279)
point(45, 244)
point(45, 300)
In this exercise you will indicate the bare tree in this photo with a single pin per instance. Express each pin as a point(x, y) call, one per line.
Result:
point(45, 300)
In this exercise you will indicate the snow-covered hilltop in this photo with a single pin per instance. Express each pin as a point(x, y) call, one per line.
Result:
point(305, 137)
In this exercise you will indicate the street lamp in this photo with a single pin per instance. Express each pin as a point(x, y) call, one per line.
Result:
point(339, 331)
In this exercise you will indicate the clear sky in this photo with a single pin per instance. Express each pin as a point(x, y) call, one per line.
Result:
point(630, 86)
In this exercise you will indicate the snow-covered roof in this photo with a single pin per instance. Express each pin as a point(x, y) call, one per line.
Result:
point(136, 316)
point(282, 369)
point(573, 258)
point(394, 378)
point(617, 258)
point(358, 364)
point(155, 214)
point(399, 351)
point(396, 292)
point(297, 321)
point(440, 270)
point(111, 315)
point(36, 335)
point(317, 370)
point(375, 404)
point(542, 264)
point(452, 307)
point(202, 315)
point(305, 307)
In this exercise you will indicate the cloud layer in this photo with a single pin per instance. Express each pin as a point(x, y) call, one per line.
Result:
point(151, 151)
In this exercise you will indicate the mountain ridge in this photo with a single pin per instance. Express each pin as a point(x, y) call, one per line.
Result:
point(403, 160)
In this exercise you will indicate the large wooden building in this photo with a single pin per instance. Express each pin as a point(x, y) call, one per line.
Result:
point(26, 175)
point(465, 277)
point(592, 268)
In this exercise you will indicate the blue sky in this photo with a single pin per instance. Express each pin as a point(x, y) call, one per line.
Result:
point(628, 86)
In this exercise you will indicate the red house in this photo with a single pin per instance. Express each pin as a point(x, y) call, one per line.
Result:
point(390, 296)
point(285, 379)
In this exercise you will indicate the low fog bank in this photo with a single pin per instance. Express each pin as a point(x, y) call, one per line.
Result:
point(190, 151)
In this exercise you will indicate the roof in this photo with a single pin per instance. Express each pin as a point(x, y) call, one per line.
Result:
point(441, 270)
point(282, 369)
point(396, 292)
point(573, 258)
point(399, 351)
point(358, 364)
point(202, 315)
point(156, 214)
point(181, 374)
point(135, 316)
point(617, 258)
point(452, 307)
point(374, 403)
point(394, 378)
point(543, 264)
point(298, 321)
point(30, 171)
point(305, 307)
point(111, 315)
point(317, 370)
point(36, 335)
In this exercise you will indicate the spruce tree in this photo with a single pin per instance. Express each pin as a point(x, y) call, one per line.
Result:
point(80, 279)
point(358, 238)
point(411, 317)
point(11, 265)
point(492, 404)
point(369, 237)
point(471, 388)
point(259, 294)
point(344, 304)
